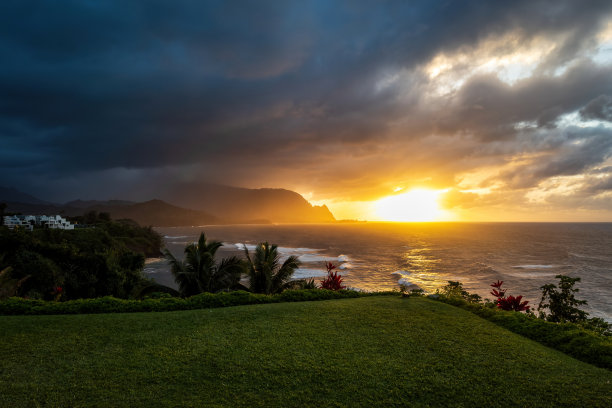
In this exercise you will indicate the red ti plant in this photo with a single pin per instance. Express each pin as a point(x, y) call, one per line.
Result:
point(333, 280)
point(497, 291)
point(513, 303)
point(57, 293)
point(508, 303)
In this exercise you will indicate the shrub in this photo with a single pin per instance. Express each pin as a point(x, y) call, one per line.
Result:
point(454, 292)
point(333, 281)
point(86, 262)
point(510, 303)
point(588, 340)
point(8, 286)
point(561, 302)
point(309, 284)
point(563, 306)
point(108, 304)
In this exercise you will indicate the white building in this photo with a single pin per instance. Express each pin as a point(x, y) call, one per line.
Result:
point(45, 221)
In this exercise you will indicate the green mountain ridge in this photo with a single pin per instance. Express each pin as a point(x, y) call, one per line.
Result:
point(219, 205)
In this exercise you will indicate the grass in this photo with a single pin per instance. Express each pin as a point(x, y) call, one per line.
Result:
point(375, 351)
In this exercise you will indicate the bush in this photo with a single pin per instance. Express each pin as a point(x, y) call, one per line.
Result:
point(108, 304)
point(454, 292)
point(86, 263)
point(573, 339)
point(44, 274)
point(333, 281)
point(510, 303)
point(561, 303)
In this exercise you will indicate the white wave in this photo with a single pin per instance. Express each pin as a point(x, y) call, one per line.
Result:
point(176, 236)
point(313, 258)
point(302, 273)
point(240, 246)
point(305, 255)
point(534, 266)
point(401, 273)
point(298, 250)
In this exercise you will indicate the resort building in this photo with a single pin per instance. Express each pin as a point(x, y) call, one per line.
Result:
point(44, 221)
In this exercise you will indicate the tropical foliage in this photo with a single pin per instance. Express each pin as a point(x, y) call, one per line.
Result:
point(199, 271)
point(8, 285)
point(333, 281)
point(516, 304)
point(454, 290)
point(84, 263)
point(141, 239)
point(561, 302)
point(266, 273)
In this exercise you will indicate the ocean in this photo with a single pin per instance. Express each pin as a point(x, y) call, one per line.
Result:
point(380, 256)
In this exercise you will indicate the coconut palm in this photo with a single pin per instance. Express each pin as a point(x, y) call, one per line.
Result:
point(9, 286)
point(266, 274)
point(199, 272)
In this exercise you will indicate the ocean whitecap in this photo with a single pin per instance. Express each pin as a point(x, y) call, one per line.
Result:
point(302, 273)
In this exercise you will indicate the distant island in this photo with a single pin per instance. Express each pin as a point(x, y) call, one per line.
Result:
point(207, 205)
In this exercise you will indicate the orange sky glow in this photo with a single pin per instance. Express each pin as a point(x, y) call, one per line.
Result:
point(404, 111)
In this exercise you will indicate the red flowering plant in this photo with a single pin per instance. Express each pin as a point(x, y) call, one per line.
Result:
point(57, 293)
point(333, 281)
point(516, 304)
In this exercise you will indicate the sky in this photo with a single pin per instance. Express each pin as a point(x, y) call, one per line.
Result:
point(502, 109)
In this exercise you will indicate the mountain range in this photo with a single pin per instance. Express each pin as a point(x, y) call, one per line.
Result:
point(186, 205)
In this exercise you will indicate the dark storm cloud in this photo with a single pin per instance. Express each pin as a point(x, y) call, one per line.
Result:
point(583, 148)
point(491, 107)
point(224, 90)
point(599, 108)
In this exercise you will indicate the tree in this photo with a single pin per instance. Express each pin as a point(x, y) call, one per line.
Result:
point(8, 286)
point(266, 274)
point(199, 272)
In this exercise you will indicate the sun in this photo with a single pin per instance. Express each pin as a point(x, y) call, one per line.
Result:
point(417, 205)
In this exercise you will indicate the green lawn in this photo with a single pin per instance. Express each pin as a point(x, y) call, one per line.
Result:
point(375, 351)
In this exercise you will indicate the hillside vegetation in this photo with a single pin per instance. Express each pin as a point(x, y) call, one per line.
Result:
point(104, 260)
point(374, 351)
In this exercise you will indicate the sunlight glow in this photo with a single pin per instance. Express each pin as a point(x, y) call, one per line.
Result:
point(413, 206)
point(510, 57)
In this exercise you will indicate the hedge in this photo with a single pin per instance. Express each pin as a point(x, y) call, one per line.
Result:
point(109, 304)
point(569, 338)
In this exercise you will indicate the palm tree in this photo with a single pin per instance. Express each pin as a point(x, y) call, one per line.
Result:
point(265, 272)
point(8, 286)
point(199, 272)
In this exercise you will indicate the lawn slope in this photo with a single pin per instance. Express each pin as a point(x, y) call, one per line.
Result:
point(376, 351)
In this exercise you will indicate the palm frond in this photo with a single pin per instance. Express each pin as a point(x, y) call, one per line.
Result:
point(266, 275)
point(227, 273)
point(284, 273)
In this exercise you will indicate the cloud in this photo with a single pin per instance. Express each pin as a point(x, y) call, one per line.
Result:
point(335, 98)
point(599, 108)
